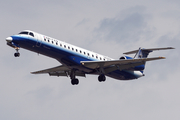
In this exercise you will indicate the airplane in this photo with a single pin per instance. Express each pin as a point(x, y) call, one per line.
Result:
point(76, 61)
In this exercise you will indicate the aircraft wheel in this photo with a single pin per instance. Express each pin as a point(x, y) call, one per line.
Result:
point(74, 81)
point(16, 54)
point(101, 78)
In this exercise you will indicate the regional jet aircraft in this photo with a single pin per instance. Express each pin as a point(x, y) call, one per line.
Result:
point(76, 61)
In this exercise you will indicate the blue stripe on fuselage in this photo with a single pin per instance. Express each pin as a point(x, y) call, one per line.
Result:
point(60, 53)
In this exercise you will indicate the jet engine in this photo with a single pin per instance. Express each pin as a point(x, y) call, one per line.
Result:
point(125, 57)
point(138, 67)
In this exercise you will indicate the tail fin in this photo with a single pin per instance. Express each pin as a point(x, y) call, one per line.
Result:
point(143, 53)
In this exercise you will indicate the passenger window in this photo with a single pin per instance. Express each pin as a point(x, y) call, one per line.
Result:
point(31, 34)
point(84, 52)
point(68, 47)
point(76, 50)
point(72, 48)
point(52, 42)
point(56, 43)
point(60, 44)
point(92, 55)
point(64, 46)
point(80, 51)
point(88, 54)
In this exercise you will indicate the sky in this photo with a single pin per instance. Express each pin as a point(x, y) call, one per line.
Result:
point(108, 27)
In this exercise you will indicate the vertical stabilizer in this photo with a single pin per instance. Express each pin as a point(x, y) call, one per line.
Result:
point(142, 53)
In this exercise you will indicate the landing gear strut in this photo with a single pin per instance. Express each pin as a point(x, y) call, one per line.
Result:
point(101, 78)
point(17, 54)
point(74, 80)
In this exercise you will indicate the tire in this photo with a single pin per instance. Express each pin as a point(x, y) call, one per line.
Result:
point(102, 78)
point(74, 81)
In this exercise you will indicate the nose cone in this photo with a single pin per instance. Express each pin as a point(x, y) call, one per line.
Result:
point(9, 39)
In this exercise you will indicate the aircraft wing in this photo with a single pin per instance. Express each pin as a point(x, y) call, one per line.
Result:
point(118, 64)
point(59, 71)
point(125, 64)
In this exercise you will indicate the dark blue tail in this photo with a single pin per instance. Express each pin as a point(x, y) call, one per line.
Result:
point(142, 53)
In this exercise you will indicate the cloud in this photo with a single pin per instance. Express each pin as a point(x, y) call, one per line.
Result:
point(128, 27)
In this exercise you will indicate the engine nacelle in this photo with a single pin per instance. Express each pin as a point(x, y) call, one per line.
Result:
point(125, 57)
point(139, 67)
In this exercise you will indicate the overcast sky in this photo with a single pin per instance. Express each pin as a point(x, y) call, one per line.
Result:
point(108, 27)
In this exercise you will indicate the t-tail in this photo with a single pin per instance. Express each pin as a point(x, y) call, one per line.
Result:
point(143, 53)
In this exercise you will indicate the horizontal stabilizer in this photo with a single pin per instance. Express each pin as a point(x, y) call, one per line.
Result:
point(149, 50)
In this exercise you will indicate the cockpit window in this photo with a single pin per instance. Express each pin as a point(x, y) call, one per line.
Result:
point(25, 33)
point(31, 34)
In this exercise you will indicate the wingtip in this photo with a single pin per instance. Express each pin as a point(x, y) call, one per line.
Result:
point(33, 72)
point(171, 47)
point(162, 57)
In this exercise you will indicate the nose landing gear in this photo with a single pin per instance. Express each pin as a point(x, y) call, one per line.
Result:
point(17, 54)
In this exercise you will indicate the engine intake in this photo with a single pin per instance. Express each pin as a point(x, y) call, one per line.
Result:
point(125, 57)
point(121, 58)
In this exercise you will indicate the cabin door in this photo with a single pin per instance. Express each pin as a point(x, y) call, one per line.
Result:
point(39, 40)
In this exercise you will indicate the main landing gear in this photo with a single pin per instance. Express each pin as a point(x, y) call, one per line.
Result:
point(74, 80)
point(102, 78)
point(17, 54)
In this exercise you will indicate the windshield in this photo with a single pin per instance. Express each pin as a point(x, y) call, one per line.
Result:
point(25, 33)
